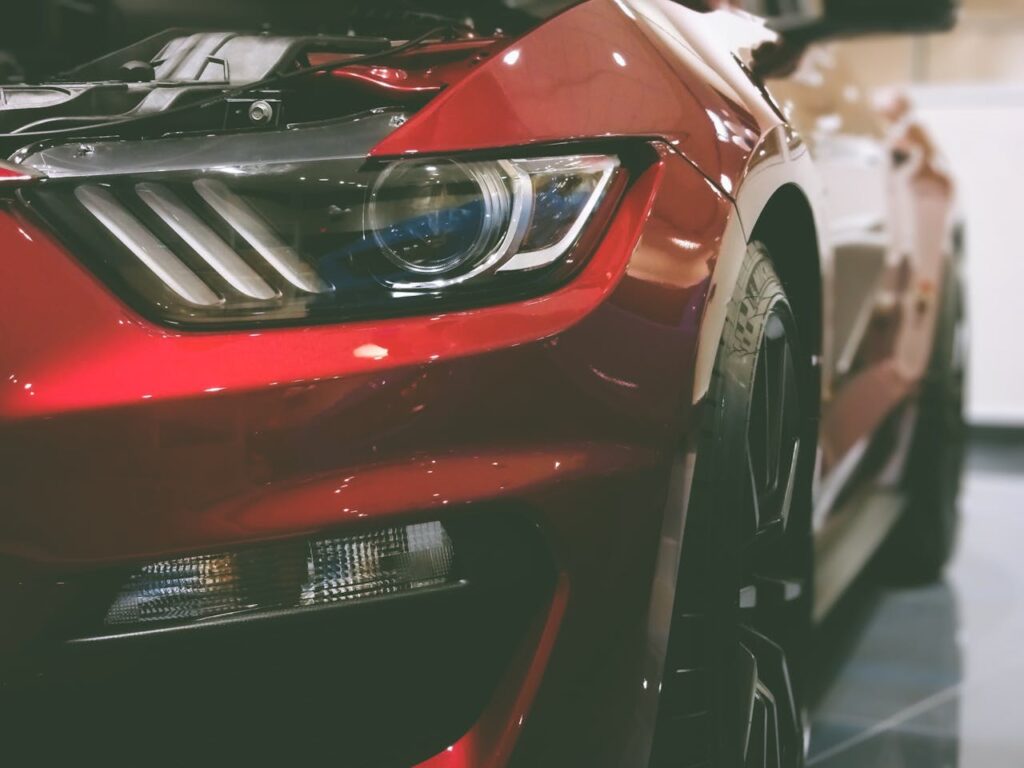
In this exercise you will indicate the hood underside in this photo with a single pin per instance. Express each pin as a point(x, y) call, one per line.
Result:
point(185, 82)
point(44, 37)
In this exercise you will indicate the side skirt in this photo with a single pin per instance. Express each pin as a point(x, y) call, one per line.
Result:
point(848, 540)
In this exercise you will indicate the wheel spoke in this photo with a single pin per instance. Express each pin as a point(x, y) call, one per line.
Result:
point(787, 493)
point(747, 677)
point(751, 509)
point(779, 368)
point(770, 448)
point(773, 675)
point(772, 757)
point(757, 742)
point(773, 427)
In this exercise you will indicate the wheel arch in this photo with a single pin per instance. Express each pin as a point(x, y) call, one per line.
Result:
point(785, 220)
point(786, 227)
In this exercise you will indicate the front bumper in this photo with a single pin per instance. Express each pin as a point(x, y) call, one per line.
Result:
point(123, 442)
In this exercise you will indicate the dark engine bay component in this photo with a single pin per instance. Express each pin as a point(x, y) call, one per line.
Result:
point(171, 70)
point(42, 37)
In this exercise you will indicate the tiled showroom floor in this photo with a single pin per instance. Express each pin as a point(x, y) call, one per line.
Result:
point(933, 677)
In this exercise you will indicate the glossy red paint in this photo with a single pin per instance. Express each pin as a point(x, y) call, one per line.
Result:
point(637, 84)
point(385, 79)
point(11, 173)
point(417, 75)
point(489, 744)
point(121, 440)
point(277, 433)
point(110, 357)
point(168, 442)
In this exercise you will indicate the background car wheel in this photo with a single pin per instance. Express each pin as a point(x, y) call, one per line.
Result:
point(923, 540)
point(731, 690)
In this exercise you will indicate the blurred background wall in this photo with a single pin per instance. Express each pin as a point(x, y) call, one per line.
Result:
point(968, 87)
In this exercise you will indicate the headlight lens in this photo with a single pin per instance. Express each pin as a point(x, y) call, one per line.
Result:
point(285, 226)
point(431, 217)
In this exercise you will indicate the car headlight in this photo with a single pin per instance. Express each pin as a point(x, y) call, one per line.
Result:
point(299, 224)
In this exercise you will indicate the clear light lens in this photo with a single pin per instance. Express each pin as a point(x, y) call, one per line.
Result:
point(564, 193)
point(433, 216)
point(560, 195)
point(288, 575)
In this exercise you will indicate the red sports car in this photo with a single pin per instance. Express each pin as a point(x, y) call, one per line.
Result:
point(499, 385)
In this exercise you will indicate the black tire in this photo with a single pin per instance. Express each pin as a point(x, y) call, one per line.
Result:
point(924, 539)
point(731, 693)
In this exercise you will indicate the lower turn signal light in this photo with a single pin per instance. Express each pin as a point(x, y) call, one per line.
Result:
point(286, 575)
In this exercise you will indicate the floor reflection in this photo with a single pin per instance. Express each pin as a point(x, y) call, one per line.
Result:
point(931, 677)
point(893, 699)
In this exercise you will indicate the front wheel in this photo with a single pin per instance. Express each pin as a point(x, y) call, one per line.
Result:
point(731, 688)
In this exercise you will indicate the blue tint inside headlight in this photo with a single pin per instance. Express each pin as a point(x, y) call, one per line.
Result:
point(435, 242)
point(431, 217)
